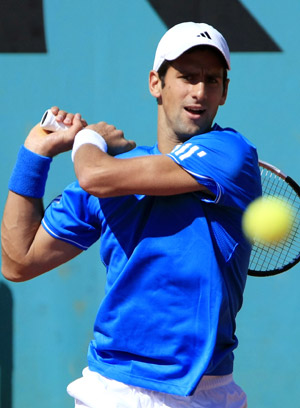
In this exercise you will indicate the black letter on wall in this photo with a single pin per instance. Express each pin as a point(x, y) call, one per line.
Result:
point(230, 17)
point(22, 26)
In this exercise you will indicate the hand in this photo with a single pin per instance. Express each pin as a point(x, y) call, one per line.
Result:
point(65, 117)
point(115, 140)
point(52, 143)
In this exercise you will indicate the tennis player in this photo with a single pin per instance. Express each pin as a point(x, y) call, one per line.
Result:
point(169, 220)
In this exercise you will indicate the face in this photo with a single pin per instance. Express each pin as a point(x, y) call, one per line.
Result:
point(192, 92)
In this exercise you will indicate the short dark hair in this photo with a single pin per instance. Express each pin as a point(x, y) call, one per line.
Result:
point(162, 71)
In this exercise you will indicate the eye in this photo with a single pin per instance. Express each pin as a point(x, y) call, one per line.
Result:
point(212, 79)
point(186, 77)
point(189, 78)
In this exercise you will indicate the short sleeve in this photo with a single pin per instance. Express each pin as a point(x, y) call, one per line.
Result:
point(74, 217)
point(224, 162)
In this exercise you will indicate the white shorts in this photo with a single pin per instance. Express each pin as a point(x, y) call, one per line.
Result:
point(95, 391)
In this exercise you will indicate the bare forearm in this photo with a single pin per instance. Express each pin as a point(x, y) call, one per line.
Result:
point(105, 176)
point(21, 220)
point(102, 175)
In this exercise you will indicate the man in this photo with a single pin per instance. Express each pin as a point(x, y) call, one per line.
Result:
point(169, 220)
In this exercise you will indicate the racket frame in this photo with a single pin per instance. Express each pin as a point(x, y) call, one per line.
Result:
point(292, 183)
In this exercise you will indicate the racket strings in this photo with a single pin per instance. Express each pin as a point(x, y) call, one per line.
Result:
point(276, 257)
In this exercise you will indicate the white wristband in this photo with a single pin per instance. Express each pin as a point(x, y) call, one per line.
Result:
point(88, 136)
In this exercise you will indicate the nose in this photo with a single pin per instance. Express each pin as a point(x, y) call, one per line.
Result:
point(198, 92)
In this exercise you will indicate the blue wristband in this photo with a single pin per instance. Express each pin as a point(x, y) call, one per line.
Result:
point(30, 173)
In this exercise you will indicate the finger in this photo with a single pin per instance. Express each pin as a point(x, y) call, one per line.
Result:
point(58, 113)
point(77, 122)
point(69, 119)
point(61, 115)
point(132, 143)
point(124, 146)
point(116, 132)
point(66, 118)
point(55, 110)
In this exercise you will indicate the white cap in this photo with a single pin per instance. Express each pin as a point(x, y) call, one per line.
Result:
point(184, 36)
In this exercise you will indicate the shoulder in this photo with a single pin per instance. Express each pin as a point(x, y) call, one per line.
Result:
point(228, 147)
point(228, 137)
point(223, 158)
point(221, 148)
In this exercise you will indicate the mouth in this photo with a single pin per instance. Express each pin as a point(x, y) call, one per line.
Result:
point(194, 111)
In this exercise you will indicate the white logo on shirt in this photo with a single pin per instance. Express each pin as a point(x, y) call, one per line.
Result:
point(187, 150)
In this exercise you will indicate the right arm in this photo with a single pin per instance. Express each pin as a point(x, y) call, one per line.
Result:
point(27, 249)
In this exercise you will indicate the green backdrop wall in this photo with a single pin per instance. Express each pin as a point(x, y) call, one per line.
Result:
point(95, 59)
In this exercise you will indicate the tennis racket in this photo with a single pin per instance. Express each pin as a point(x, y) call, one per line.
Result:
point(274, 259)
point(48, 122)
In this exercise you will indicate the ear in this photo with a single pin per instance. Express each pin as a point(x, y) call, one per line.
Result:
point(154, 84)
point(225, 92)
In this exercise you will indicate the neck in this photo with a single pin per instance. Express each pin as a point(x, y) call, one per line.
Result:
point(166, 137)
point(165, 144)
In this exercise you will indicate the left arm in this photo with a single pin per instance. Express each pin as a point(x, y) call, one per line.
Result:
point(102, 175)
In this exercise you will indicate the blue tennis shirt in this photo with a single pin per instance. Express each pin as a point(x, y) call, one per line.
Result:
point(176, 266)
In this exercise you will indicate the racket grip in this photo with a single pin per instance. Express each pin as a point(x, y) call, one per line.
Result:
point(49, 122)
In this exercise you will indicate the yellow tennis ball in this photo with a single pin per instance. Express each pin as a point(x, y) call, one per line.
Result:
point(268, 219)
